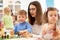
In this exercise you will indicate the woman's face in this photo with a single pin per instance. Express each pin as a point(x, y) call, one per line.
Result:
point(32, 10)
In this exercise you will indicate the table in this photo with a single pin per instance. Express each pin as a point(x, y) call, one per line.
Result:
point(35, 37)
point(22, 39)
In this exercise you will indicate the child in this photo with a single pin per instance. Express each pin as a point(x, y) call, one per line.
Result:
point(50, 30)
point(23, 28)
point(7, 19)
point(14, 19)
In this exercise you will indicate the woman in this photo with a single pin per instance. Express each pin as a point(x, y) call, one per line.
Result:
point(35, 16)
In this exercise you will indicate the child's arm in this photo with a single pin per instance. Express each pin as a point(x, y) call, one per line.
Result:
point(58, 35)
point(44, 30)
point(28, 28)
point(15, 29)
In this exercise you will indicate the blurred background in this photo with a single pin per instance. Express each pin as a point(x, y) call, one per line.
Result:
point(16, 5)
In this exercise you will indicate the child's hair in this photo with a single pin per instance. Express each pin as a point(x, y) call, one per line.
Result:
point(22, 12)
point(45, 15)
point(7, 10)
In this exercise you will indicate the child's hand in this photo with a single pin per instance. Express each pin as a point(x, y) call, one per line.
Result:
point(51, 27)
point(25, 33)
point(22, 32)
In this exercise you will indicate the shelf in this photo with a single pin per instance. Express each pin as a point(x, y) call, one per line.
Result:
point(1, 1)
point(15, 6)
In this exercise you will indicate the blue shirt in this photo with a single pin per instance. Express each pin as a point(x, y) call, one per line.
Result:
point(23, 26)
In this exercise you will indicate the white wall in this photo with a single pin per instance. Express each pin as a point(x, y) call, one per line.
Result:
point(57, 5)
point(5, 3)
point(25, 3)
point(43, 4)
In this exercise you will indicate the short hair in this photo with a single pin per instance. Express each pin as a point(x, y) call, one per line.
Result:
point(7, 9)
point(22, 12)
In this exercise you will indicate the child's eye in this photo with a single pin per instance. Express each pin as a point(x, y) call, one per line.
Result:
point(19, 17)
point(55, 15)
point(50, 15)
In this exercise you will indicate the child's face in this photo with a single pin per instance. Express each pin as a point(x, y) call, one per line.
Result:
point(52, 16)
point(21, 18)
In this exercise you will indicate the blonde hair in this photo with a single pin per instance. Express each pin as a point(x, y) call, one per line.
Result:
point(7, 10)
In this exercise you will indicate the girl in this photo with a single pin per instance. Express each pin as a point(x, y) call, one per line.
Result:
point(50, 30)
point(23, 28)
point(35, 16)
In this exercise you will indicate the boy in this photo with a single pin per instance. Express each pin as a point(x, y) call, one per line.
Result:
point(22, 27)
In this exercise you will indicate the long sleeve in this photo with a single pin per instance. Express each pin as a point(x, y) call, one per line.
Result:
point(23, 26)
point(29, 28)
point(15, 29)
